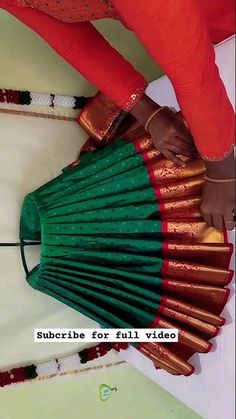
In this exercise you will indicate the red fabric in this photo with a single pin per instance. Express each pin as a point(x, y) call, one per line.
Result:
point(82, 46)
point(176, 35)
point(220, 16)
point(74, 10)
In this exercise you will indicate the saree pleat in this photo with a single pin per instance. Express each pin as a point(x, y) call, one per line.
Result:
point(123, 242)
point(213, 254)
point(166, 359)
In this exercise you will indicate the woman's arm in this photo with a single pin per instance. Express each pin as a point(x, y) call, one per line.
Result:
point(175, 33)
point(82, 46)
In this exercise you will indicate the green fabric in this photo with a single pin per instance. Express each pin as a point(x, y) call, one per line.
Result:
point(101, 250)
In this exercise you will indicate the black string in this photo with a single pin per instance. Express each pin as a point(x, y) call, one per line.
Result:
point(22, 244)
point(18, 244)
point(22, 252)
point(9, 244)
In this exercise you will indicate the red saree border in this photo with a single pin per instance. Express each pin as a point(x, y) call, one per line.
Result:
point(220, 320)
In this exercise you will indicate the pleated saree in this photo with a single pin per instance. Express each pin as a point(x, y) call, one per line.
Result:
point(123, 242)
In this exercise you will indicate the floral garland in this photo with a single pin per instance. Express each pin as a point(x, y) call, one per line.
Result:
point(18, 97)
point(57, 366)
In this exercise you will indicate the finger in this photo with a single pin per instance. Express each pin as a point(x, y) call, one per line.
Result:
point(230, 225)
point(234, 215)
point(186, 159)
point(218, 222)
point(187, 138)
point(208, 219)
point(179, 150)
point(188, 145)
point(172, 157)
point(181, 144)
point(229, 220)
point(181, 129)
point(185, 135)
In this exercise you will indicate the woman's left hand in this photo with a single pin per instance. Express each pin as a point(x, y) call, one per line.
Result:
point(218, 204)
point(218, 198)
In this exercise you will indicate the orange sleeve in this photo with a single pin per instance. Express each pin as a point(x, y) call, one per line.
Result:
point(81, 45)
point(175, 34)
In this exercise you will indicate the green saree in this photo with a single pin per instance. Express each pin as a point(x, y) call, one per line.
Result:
point(123, 242)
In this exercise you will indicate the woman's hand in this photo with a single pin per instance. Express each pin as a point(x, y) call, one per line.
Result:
point(171, 137)
point(168, 132)
point(218, 199)
point(218, 203)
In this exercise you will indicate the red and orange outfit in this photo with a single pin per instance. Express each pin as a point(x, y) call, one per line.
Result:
point(178, 35)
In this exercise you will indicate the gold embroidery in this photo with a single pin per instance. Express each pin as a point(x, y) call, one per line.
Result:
point(182, 188)
point(135, 97)
point(224, 155)
point(209, 296)
point(197, 312)
point(194, 342)
point(182, 208)
point(209, 254)
point(194, 231)
point(165, 171)
point(190, 321)
point(197, 273)
point(161, 356)
point(75, 10)
point(143, 142)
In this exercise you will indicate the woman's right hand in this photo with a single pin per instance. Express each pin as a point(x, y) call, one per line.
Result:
point(171, 137)
point(168, 132)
